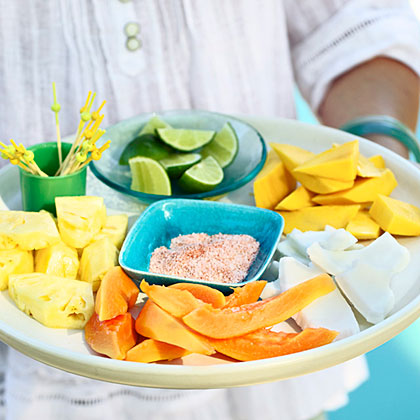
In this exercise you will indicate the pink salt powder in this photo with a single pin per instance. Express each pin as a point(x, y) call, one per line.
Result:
point(217, 258)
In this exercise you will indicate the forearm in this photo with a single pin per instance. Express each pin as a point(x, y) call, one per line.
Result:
point(381, 86)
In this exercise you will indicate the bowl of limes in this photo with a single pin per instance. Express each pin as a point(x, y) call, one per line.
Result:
point(180, 154)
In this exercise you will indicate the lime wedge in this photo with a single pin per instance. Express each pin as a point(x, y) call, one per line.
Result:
point(149, 176)
point(153, 124)
point(185, 140)
point(224, 147)
point(203, 176)
point(146, 145)
point(177, 163)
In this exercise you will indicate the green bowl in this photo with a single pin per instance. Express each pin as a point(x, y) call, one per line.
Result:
point(39, 192)
point(248, 162)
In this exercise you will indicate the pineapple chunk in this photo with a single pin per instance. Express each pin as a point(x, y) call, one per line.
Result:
point(27, 230)
point(115, 229)
point(14, 261)
point(58, 260)
point(80, 219)
point(97, 259)
point(55, 302)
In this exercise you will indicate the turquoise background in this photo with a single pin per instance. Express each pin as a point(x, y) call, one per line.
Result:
point(392, 392)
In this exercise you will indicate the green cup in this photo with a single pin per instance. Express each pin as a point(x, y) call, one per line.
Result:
point(39, 192)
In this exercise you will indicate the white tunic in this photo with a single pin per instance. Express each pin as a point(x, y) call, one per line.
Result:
point(232, 56)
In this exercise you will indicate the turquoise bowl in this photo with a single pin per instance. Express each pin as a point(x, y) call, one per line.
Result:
point(248, 162)
point(167, 219)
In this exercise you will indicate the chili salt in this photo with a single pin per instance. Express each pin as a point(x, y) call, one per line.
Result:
point(220, 258)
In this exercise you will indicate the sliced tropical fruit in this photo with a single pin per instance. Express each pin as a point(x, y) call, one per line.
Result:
point(58, 260)
point(339, 163)
point(116, 295)
point(149, 176)
point(27, 230)
point(249, 293)
point(395, 216)
point(363, 226)
point(113, 337)
point(316, 218)
point(297, 199)
point(263, 343)
point(146, 145)
point(55, 302)
point(80, 219)
point(14, 261)
point(154, 322)
point(150, 350)
point(185, 140)
point(205, 293)
point(240, 320)
point(203, 176)
point(115, 228)
point(153, 124)
point(224, 146)
point(364, 190)
point(273, 183)
point(177, 163)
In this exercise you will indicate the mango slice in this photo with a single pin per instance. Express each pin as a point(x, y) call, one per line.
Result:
point(237, 321)
point(263, 343)
point(116, 294)
point(27, 230)
point(395, 216)
point(97, 259)
point(366, 168)
point(154, 322)
point(297, 199)
point(55, 302)
point(205, 293)
point(339, 163)
point(316, 218)
point(378, 161)
point(115, 228)
point(363, 226)
point(363, 191)
point(249, 293)
point(113, 337)
point(294, 156)
point(58, 260)
point(80, 219)
point(273, 183)
point(14, 261)
point(150, 350)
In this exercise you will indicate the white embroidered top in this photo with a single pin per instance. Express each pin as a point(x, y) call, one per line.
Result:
point(232, 56)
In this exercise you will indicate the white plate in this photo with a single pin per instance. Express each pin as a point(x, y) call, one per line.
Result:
point(66, 349)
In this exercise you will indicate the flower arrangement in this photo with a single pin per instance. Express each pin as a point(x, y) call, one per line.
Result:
point(83, 149)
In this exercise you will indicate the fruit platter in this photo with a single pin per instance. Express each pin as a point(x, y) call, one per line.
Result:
point(372, 322)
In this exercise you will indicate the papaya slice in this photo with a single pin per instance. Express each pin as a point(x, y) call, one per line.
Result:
point(263, 343)
point(205, 293)
point(175, 301)
point(113, 337)
point(117, 293)
point(154, 322)
point(245, 294)
point(237, 321)
point(151, 350)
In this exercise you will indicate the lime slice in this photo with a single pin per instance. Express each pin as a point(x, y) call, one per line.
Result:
point(224, 147)
point(203, 176)
point(185, 140)
point(149, 176)
point(146, 145)
point(177, 163)
point(153, 124)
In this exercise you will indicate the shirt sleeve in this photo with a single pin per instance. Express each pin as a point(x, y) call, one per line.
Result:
point(329, 37)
